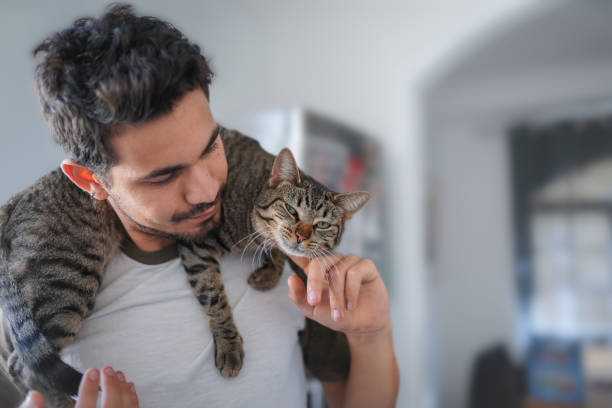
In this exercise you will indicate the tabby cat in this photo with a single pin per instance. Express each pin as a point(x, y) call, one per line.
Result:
point(55, 242)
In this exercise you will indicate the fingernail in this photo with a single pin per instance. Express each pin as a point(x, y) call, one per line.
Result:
point(349, 305)
point(132, 388)
point(109, 371)
point(93, 375)
point(312, 297)
point(120, 377)
point(336, 314)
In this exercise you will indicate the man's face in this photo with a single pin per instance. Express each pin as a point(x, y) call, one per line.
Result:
point(167, 181)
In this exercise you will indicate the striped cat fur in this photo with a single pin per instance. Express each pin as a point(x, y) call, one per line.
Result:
point(55, 241)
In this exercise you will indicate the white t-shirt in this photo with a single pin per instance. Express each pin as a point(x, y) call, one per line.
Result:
point(147, 323)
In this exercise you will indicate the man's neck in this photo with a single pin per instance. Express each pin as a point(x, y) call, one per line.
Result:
point(144, 241)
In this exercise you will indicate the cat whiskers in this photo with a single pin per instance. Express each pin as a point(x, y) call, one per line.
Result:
point(252, 238)
point(321, 256)
point(264, 247)
point(259, 252)
point(251, 235)
point(328, 276)
point(335, 267)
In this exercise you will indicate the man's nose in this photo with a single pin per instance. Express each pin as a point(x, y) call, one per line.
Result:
point(201, 186)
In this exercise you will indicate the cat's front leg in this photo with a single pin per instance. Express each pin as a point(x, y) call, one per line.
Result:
point(26, 382)
point(18, 372)
point(57, 400)
point(201, 264)
point(267, 276)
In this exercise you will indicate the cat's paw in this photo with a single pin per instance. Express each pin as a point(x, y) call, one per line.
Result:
point(229, 355)
point(264, 278)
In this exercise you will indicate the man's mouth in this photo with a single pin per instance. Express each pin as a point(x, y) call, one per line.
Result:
point(201, 212)
point(206, 214)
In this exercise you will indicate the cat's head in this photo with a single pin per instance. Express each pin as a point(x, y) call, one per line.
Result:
point(299, 215)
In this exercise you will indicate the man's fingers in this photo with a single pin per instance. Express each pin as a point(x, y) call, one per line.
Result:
point(315, 283)
point(128, 392)
point(116, 391)
point(300, 261)
point(297, 293)
point(111, 392)
point(351, 288)
point(345, 276)
point(317, 271)
point(336, 294)
point(362, 272)
point(88, 389)
point(124, 391)
point(315, 275)
point(133, 395)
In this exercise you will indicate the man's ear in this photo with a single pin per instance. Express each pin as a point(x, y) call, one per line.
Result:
point(84, 179)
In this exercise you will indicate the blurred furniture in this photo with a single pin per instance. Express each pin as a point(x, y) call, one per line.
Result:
point(529, 403)
point(554, 370)
point(495, 381)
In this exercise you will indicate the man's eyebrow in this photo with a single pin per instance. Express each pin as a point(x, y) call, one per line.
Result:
point(172, 169)
point(213, 139)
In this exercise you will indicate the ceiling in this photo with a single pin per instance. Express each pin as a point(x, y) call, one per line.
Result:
point(560, 34)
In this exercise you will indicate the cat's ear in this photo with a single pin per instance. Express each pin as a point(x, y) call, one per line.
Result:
point(351, 202)
point(284, 169)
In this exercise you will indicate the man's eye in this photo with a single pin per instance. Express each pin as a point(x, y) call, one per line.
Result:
point(161, 180)
point(322, 225)
point(290, 209)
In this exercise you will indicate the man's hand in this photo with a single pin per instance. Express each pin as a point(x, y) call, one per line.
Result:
point(347, 294)
point(343, 293)
point(116, 392)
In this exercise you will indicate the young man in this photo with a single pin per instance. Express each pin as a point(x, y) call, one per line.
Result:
point(127, 98)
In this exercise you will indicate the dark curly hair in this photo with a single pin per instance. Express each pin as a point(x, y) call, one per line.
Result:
point(102, 73)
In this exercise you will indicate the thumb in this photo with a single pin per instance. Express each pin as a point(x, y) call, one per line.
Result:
point(297, 293)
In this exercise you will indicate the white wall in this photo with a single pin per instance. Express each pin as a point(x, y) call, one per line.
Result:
point(472, 278)
point(360, 61)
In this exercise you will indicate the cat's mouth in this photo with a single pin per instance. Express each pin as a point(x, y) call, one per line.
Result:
point(293, 250)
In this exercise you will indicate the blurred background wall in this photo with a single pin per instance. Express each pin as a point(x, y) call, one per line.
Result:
point(437, 83)
point(550, 65)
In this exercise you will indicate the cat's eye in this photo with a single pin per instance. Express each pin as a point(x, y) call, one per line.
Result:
point(291, 210)
point(322, 225)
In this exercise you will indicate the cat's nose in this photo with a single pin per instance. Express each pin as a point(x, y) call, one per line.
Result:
point(301, 235)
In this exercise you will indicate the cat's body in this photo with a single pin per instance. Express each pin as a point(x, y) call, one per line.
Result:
point(49, 279)
point(55, 242)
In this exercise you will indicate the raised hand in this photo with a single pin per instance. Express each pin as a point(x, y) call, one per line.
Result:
point(116, 391)
point(343, 293)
